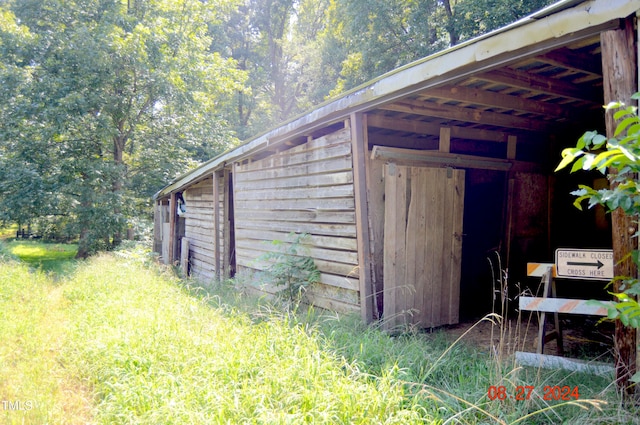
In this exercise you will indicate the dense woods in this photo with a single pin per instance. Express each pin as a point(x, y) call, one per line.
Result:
point(102, 102)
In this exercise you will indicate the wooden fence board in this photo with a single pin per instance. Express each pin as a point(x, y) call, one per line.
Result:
point(306, 216)
point(337, 243)
point(332, 165)
point(337, 191)
point(264, 182)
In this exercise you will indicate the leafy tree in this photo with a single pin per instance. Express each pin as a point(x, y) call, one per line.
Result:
point(619, 158)
point(114, 97)
point(365, 39)
point(274, 41)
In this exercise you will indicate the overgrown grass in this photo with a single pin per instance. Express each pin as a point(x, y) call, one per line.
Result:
point(120, 342)
point(33, 329)
point(49, 257)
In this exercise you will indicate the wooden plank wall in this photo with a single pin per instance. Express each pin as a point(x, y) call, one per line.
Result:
point(422, 251)
point(305, 189)
point(199, 228)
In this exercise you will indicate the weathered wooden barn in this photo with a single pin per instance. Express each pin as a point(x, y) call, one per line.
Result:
point(408, 183)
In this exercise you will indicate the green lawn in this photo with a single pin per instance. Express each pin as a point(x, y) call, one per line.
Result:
point(50, 257)
point(118, 341)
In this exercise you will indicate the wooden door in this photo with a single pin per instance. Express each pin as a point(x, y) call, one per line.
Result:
point(422, 245)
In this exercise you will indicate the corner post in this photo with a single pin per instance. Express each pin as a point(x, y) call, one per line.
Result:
point(359, 151)
point(620, 71)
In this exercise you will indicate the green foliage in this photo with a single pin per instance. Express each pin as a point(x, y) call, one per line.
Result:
point(621, 154)
point(290, 268)
point(104, 102)
point(364, 39)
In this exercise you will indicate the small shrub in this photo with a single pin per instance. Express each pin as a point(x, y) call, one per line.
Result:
point(290, 268)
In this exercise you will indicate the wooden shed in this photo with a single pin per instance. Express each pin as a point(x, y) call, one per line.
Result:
point(408, 183)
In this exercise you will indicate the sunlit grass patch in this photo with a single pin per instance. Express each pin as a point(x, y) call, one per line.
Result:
point(156, 354)
point(50, 257)
point(8, 231)
point(35, 387)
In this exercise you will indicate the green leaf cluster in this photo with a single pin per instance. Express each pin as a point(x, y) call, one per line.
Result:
point(290, 267)
point(617, 157)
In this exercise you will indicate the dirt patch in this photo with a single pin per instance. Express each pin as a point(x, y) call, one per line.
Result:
point(583, 337)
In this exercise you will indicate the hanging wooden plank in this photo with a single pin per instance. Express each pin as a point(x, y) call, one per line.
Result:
point(394, 246)
point(420, 180)
point(452, 248)
point(422, 251)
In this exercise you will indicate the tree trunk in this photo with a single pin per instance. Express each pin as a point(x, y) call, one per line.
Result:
point(119, 143)
point(619, 80)
point(451, 24)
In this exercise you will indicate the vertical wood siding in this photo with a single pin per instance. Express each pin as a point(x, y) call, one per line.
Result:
point(422, 251)
point(199, 228)
point(306, 189)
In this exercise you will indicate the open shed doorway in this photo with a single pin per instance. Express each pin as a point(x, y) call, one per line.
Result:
point(484, 226)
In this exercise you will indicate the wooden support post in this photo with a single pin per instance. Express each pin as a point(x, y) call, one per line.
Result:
point(216, 224)
point(359, 154)
point(619, 66)
point(172, 227)
point(226, 263)
point(184, 256)
point(445, 139)
point(512, 142)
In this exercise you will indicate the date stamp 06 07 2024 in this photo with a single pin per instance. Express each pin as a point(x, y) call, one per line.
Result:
point(526, 392)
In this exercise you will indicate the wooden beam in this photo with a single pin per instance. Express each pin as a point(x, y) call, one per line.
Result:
point(477, 116)
point(359, 150)
point(571, 59)
point(539, 83)
point(620, 71)
point(504, 101)
point(412, 156)
point(433, 129)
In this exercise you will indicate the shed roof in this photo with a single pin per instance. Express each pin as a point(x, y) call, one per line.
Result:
point(524, 79)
